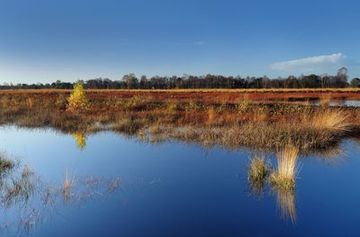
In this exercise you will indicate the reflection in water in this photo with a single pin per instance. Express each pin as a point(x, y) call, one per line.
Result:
point(331, 155)
point(32, 198)
point(286, 203)
point(19, 189)
point(25, 199)
point(67, 187)
point(282, 179)
point(80, 139)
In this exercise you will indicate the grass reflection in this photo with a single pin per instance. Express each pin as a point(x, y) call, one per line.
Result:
point(281, 179)
point(29, 198)
point(286, 203)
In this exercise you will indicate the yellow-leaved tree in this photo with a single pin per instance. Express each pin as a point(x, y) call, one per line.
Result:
point(77, 100)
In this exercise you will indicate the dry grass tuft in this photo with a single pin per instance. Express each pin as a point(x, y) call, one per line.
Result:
point(211, 115)
point(258, 172)
point(335, 120)
point(6, 164)
point(258, 169)
point(284, 177)
point(325, 100)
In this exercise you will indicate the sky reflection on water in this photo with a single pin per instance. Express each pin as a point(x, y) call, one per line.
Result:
point(176, 189)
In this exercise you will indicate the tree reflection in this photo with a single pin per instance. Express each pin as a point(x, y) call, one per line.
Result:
point(80, 139)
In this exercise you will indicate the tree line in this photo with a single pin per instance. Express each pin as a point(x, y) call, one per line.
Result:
point(130, 81)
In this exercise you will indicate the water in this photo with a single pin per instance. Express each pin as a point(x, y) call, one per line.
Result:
point(343, 103)
point(122, 187)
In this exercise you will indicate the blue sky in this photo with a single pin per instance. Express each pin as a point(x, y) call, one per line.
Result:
point(48, 40)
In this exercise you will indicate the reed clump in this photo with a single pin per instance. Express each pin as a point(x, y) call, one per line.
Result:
point(325, 100)
point(211, 114)
point(172, 107)
point(285, 174)
point(258, 169)
point(6, 164)
point(243, 104)
point(258, 172)
point(335, 120)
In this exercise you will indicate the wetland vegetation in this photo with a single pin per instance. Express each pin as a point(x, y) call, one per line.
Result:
point(231, 120)
point(279, 132)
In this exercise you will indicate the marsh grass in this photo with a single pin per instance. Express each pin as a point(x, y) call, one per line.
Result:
point(224, 122)
point(172, 107)
point(20, 189)
point(325, 100)
point(258, 172)
point(243, 104)
point(211, 115)
point(134, 103)
point(6, 164)
point(336, 120)
point(284, 176)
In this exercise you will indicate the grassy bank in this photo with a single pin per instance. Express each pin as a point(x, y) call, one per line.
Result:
point(157, 116)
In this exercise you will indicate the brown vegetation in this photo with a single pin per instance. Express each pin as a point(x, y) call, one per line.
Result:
point(284, 177)
point(229, 118)
point(258, 172)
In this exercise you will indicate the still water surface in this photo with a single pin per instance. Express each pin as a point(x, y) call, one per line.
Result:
point(122, 187)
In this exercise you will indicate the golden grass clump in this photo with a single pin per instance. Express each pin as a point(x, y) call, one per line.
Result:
point(335, 120)
point(325, 100)
point(29, 102)
point(244, 104)
point(171, 107)
point(134, 103)
point(258, 169)
point(258, 173)
point(211, 115)
point(284, 177)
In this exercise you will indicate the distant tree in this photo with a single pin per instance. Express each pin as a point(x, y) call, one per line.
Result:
point(355, 82)
point(342, 75)
point(131, 81)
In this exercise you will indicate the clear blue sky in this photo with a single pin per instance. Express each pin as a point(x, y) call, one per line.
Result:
point(48, 40)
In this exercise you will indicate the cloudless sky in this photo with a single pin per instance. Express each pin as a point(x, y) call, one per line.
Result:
point(48, 40)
